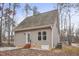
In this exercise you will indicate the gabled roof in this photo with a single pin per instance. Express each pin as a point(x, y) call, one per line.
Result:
point(41, 19)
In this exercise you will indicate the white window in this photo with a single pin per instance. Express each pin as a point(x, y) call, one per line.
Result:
point(42, 35)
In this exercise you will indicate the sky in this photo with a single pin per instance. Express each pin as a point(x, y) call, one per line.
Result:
point(43, 7)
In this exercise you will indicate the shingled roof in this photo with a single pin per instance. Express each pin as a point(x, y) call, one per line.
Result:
point(41, 19)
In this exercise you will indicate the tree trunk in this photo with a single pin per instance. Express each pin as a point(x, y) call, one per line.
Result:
point(1, 24)
point(69, 35)
point(9, 26)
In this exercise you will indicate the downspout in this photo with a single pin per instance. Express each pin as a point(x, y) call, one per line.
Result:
point(52, 37)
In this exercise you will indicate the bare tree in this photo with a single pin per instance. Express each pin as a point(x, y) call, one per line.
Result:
point(63, 21)
point(7, 17)
point(8, 13)
point(65, 16)
point(15, 6)
point(27, 8)
point(1, 9)
point(35, 10)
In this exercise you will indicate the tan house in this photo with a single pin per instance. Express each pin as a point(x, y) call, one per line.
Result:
point(41, 31)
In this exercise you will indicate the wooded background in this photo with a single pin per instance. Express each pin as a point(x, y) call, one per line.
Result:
point(67, 30)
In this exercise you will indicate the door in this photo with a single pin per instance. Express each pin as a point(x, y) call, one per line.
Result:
point(27, 37)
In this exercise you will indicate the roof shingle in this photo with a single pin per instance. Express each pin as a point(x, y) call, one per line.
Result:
point(46, 18)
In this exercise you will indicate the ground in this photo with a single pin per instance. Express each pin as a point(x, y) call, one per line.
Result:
point(66, 51)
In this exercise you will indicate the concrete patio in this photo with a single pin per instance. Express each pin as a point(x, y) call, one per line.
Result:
point(8, 48)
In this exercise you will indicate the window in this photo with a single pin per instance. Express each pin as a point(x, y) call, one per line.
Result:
point(44, 35)
point(39, 35)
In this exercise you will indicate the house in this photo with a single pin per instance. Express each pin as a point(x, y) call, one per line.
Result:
point(41, 31)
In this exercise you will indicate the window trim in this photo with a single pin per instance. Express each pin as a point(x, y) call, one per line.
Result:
point(44, 35)
point(39, 36)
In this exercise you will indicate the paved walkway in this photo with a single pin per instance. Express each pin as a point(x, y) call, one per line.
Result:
point(75, 45)
point(8, 48)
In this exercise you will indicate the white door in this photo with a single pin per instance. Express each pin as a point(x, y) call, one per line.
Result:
point(27, 37)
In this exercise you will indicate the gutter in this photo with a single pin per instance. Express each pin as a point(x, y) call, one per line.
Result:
point(36, 27)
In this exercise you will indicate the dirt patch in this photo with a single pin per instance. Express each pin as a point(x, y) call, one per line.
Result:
point(32, 52)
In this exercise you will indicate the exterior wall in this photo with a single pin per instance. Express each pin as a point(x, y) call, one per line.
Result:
point(55, 35)
point(20, 38)
point(51, 42)
point(34, 38)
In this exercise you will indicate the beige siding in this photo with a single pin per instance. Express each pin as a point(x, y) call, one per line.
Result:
point(20, 38)
point(34, 37)
point(55, 35)
point(52, 38)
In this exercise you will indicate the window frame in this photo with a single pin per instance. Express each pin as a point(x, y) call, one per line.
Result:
point(39, 36)
point(44, 34)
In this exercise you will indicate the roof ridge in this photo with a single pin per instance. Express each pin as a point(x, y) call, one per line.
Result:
point(43, 13)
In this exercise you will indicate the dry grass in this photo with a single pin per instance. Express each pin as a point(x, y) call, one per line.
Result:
point(65, 51)
point(71, 50)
